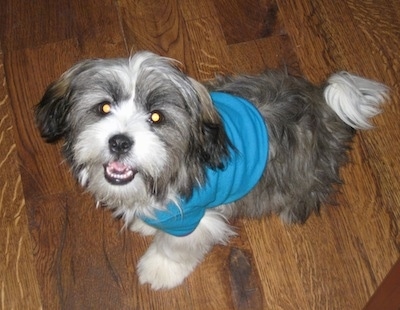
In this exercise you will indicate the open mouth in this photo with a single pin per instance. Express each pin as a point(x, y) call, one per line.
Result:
point(118, 173)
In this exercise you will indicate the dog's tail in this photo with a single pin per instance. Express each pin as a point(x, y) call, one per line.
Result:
point(355, 99)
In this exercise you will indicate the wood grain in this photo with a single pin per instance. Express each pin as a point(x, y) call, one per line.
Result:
point(246, 21)
point(18, 279)
point(57, 251)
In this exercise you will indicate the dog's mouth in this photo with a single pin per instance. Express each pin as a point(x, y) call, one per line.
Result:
point(118, 173)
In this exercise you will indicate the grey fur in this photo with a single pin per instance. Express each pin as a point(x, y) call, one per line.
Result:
point(308, 144)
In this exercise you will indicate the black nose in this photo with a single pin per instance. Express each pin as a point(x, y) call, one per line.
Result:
point(120, 144)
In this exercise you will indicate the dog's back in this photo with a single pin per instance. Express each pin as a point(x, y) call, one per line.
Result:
point(310, 131)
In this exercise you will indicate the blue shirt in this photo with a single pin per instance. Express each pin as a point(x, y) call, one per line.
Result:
point(247, 131)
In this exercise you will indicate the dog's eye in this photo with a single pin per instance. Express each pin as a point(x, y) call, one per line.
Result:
point(104, 108)
point(156, 117)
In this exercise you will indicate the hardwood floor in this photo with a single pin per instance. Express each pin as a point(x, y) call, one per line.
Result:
point(57, 251)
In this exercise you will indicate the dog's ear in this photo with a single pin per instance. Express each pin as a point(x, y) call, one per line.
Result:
point(214, 143)
point(52, 110)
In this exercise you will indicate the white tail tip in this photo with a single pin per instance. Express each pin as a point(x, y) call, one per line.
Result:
point(355, 99)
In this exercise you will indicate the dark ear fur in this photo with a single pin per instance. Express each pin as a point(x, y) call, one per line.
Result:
point(214, 143)
point(215, 147)
point(52, 110)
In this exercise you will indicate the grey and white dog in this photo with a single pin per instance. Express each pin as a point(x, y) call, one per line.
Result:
point(146, 140)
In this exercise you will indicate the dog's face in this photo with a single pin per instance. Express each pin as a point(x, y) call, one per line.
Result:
point(137, 131)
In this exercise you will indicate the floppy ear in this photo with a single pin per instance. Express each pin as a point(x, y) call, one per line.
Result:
point(52, 110)
point(214, 141)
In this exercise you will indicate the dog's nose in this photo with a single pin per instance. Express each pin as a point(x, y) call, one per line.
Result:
point(120, 144)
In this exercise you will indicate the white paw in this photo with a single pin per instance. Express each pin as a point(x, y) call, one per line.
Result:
point(141, 227)
point(161, 272)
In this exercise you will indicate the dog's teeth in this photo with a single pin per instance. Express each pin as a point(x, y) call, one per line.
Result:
point(119, 173)
point(122, 176)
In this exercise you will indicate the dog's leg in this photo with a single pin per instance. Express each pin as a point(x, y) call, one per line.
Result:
point(142, 228)
point(169, 259)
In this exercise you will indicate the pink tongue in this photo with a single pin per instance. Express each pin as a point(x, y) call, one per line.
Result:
point(117, 166)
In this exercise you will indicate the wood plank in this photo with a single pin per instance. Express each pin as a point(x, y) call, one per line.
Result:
point(209, 53)
point(243, 21)
point(98, 31)
point(40, 22)
point(19, 287)
point(275, 52)
point(74, 255)
point(373, 201)
point(36, 157)
point(194, 9)
point(154, 25)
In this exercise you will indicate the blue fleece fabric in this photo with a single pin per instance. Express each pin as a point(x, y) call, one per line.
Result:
point(247, 132)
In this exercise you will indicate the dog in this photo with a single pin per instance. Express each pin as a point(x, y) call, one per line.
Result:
point(178, 159)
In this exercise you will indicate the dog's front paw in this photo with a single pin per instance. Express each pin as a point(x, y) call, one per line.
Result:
point(161, 272)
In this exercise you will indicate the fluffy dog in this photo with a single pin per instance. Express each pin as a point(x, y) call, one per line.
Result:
point(177, 159)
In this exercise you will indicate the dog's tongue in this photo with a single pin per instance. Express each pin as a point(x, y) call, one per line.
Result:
point(118, 173)
point(117, 166)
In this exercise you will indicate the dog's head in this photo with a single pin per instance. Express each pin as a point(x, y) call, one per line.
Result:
point(134, 129)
